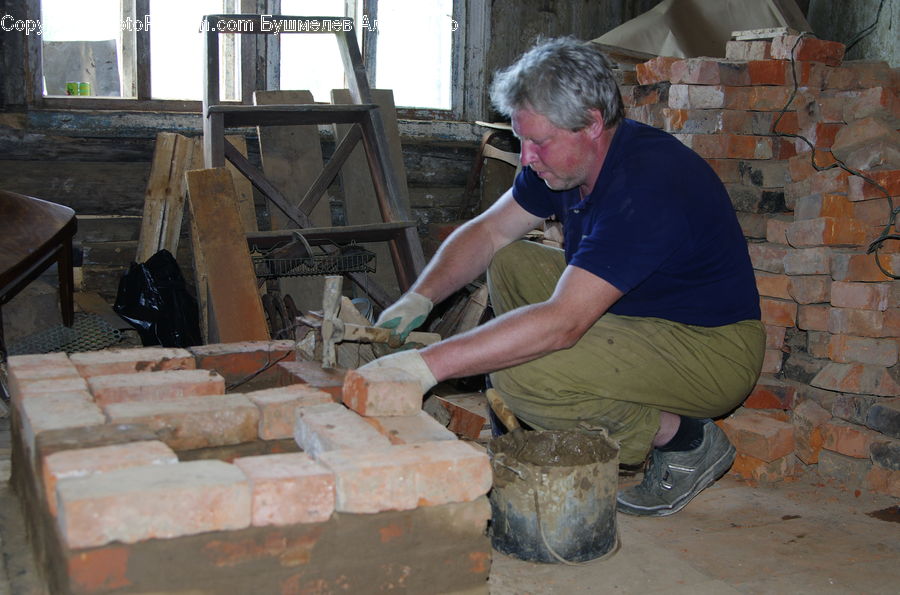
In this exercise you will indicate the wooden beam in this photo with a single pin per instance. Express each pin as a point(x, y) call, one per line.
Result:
point(330, 171)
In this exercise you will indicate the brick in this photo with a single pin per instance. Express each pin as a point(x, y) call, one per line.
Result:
point(871, 73)
point(125, 361)
point(883, 480)
point(698, 96)
point(759, 436)
point(850, 472)
point(162, 501)
point(278, 408)
point(847, 439)
point(813, 317)
point(760, 98)
point(312, 374)
point(155, 386)
point(807, 261)
point(288, 488)
point(853, 408)
point(795, 190)
point(884, 416)
point(101, 570)
point(776, 228)
point(802, 367)
point(864, 296)
point(90, 461)
point(379, 392)
point(410, 429)
point(748, 50)
point(767, 257)
point(191, 423)
point(829, 181)
point(821, 134)
point(729, 146)
point(815, 206)
point(650, 114)
point(886, 454)
point(104, 434)
point(28, 388)
point(860, 323)
point(57, 410)
point(817, 343)
point(864, 350)
point(858, 266)
point(861, 189)
point(237, 361)
point(769, 72)
point(808, 418)
point(468, 413)
point(707, 71)
point(37, 360)
point(773, 359)
point(21, 378)
point(873, 213)
point(751, 199)
point(639, 95)
point(869, 143)
point(772, 285)
point(753, 225)
point(825, 231)
point(766, 174)
point(775, 336)
point(655, 70)
point(407, 476)
point(807, 49)
point(783, 123)
point(759, 471)
point(801, 165)
point(875, 102)
point(771, 393)
point(322, 428)
point(778, 312)
point(810, 289)
point(858, 379)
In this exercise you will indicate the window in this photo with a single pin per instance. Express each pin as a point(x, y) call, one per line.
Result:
point(151, 50)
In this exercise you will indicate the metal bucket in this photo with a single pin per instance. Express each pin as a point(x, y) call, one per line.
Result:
point(554, 496)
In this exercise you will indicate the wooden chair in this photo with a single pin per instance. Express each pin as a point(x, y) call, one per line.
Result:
point(34, 234)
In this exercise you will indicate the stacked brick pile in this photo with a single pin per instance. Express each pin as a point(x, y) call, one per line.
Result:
point(829, 391)
point(118, 450)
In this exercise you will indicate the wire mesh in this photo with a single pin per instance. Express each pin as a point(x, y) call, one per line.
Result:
point(89, 332)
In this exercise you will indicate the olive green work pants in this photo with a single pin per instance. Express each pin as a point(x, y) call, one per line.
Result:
point(625, 369)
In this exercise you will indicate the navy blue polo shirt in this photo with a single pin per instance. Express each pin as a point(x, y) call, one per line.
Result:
point(659, 226)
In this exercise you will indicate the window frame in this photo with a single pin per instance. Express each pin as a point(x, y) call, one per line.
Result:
point(259, 65)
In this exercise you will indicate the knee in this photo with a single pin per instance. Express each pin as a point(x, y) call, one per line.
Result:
point(507, 257)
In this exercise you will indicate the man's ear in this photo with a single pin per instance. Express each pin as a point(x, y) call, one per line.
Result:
point(597, 125)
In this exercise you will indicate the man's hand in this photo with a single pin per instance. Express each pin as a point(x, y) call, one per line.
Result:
point(406, 314)
point(410, 362)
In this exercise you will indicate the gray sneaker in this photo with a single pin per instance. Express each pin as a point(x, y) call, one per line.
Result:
point(673, 478)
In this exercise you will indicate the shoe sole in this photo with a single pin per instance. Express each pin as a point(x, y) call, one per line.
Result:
point(715, 471)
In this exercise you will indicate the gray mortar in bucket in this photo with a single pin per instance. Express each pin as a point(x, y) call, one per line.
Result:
point(554, 496)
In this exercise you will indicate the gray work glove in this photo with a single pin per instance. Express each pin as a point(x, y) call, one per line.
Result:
point(409, 361)
point(406, 314)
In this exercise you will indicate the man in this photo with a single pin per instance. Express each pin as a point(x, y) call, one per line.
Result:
point(645, 325)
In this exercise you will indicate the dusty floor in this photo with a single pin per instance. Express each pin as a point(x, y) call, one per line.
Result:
point(800, 537)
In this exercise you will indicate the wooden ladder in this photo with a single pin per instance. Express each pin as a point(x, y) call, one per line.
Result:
point(367, 126)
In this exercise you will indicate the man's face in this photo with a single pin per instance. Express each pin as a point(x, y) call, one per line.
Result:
point(560, 157)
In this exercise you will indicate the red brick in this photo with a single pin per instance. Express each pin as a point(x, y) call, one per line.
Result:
point(823, 205)
point(862, 189)
point(795, 190)
point(822, 134)
point(84, 462)
point(817, 343)
point(708, 71)
point(656, 70)
point(157, 501)
point(674, 119)
point(773, 360)
point(808, 418)
point(191, 423)
point(861, 323)
point(785, 123)
point(125, 361)
point(321, 428)
point(37, 360)
point(858, 266)
point(759, 435)
point(468, 413)
point(879, 102)
point(854, 143)
point(771, 393)
point(700, 96)
point(410, 429)
point(748, 50)
point(288, 488)
point(312, 374)
point(762, 99)
point(407, 476)
point(829, 181)
point(883, 480)
point(848, 439)
point(753, 225)
point(651, 114)
point(278, 408)
point(841, 79)
point(810, 289)
point(871, 73)
point(826, 231)
point(728, 170)
point(807, 261)
point(99, 570)
point(774, 286)
point(776, 228)
point(778, 312)
point(863, 296)
point(25, 389)
point(767, 257)
point(20, 378)
point(775, 336)
point(379, 392)
point(55, 411)
point(759, 471)
point(872, 213)
point(769, 72)
point(155, 386)
point(813, 317)
point(865, 350)
point(861, 379)
point(808, 49)
point(237, 361)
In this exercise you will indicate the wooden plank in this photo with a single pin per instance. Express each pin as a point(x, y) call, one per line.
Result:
point(236, 312)
point(292, 159)
point(473, 310)
point(766, 34)
point(242, 186)
point(468, 413)
point(361, 203)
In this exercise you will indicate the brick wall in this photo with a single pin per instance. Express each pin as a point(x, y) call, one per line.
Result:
point(829, 394)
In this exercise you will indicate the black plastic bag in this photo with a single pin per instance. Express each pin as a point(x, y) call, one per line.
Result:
point(153, 298)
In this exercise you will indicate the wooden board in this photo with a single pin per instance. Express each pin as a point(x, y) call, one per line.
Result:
point(243, 187)
point(292, 159)
point(234, 308)
point(165, 195)
point(360, 202)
